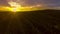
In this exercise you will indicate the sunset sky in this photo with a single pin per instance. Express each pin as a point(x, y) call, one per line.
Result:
point(44, 3)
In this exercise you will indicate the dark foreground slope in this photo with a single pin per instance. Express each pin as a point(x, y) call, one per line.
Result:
point(35, 22)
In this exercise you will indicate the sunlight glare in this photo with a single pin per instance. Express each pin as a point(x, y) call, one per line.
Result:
point(14, 6)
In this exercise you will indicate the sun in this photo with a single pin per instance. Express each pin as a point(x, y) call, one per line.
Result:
point(14, 6)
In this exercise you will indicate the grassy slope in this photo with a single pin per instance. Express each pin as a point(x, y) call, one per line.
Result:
point(34, 22)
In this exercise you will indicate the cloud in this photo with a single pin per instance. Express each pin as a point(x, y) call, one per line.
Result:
point(46, 3)
point(52, 3)
point(4, 2)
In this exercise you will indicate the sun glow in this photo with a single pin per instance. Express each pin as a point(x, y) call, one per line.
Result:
point(14, 6)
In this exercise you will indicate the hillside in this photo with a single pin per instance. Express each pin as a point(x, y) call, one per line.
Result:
point(33, 22)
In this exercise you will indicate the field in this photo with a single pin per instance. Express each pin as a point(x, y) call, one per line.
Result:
point(33, 22)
